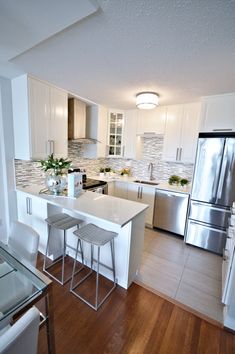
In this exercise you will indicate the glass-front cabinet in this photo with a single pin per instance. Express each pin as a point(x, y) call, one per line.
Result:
point(115, 133)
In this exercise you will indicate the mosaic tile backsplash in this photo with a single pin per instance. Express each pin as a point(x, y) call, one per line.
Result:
point(28, 172)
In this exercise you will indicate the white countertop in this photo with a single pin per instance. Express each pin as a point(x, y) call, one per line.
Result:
point(159, 184)
point(99, 206)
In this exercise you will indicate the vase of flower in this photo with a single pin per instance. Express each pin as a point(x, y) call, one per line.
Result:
point(56, 179)
point(56, 183)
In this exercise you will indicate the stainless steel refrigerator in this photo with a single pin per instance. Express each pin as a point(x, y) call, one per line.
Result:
point(213, 191)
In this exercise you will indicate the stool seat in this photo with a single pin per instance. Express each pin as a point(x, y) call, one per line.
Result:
point(95, 235)
point(63, 221)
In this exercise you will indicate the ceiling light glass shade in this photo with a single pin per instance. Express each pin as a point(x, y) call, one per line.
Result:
point(147, 100)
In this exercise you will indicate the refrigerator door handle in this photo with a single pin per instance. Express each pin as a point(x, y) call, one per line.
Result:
point(221, 180)
point(226, 210)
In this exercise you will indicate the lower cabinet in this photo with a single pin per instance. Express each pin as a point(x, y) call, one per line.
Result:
point(143, 194)
point(33, 212)
point(111, 188)
point(121, 190)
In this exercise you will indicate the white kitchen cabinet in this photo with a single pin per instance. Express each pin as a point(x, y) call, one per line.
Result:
point(217, 113)
point(121, 189)
point(151, 121)
point(32, 211)
point(143, 194)
point(132, 143)
point(115, 133)
point(182, 126)
point(40, 119)
point(111, 188)
point(96, 128)
point(58, 122)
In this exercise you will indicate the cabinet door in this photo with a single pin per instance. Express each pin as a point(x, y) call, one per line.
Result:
point(171, 146)
point(23, 207)
point(151, 121)
point(32, 211)
point(189, 132)
point(115, 133)
point(143, 194)
point(132, 142)
point(111, 188)
point(134, 192)
point(218, 113)
point(121, 189)
point(147, 197)
point(39, 115)
point(58, 127)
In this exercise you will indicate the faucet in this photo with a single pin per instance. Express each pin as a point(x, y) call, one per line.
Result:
point(150, 168)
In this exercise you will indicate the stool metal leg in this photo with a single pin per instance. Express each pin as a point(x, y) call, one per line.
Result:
point(92, 253)
point(97, 279)
point(79, 243)
point(113, 259)
point(47, 246)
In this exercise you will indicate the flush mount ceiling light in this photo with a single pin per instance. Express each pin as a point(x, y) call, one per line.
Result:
point(147, 100)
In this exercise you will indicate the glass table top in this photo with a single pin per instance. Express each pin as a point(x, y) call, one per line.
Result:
point(20, 283)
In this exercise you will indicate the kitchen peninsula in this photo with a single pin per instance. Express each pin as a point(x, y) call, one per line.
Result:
point(126, 218)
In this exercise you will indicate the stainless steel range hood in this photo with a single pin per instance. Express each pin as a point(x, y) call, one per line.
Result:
point(77, 122)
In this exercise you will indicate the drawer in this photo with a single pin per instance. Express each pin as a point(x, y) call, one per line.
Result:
point(204, 236)
point(206, 213)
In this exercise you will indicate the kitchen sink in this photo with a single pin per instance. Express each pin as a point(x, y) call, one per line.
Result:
point(146, 182)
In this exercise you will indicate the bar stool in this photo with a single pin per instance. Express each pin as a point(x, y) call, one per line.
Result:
point(95, 236)
point(63, 222)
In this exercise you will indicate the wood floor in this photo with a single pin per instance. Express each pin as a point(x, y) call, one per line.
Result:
point(131, 322)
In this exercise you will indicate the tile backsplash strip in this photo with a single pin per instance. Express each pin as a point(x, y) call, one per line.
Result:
point(29, 172)
point(152, 152)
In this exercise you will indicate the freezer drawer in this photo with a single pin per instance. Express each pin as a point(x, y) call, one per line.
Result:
point(170, 211)
point(204, 236)
point(210, 214)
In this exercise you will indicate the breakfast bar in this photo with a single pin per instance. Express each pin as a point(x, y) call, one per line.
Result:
point(126, 218)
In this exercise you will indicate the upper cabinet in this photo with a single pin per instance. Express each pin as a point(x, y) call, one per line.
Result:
point(115, 133)
point(218, 113)
point(40, 119)
point(132, 143)
point(151, 121)
point(182, 125)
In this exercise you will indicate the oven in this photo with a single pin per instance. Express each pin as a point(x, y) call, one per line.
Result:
point(94, 185)
point(102, 189)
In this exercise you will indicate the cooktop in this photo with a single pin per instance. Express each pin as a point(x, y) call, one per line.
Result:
point(92, 183)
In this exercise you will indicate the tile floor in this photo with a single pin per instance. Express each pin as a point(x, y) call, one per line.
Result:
point(185, 273)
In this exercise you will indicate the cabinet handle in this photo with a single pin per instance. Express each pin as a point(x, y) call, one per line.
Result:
point(177, 153)
point(48, 147)
point(141, 192)
point(28, 206)
point(222, 130)
point(52, 146)
point(123, 151)
point(180, 154)
point(138, 194)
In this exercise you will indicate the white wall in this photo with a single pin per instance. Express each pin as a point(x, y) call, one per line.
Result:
point(8, 210)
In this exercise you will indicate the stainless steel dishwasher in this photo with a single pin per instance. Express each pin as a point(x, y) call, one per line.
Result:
point(170, 211)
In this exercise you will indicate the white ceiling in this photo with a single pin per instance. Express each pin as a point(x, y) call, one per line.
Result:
point(181, 49)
